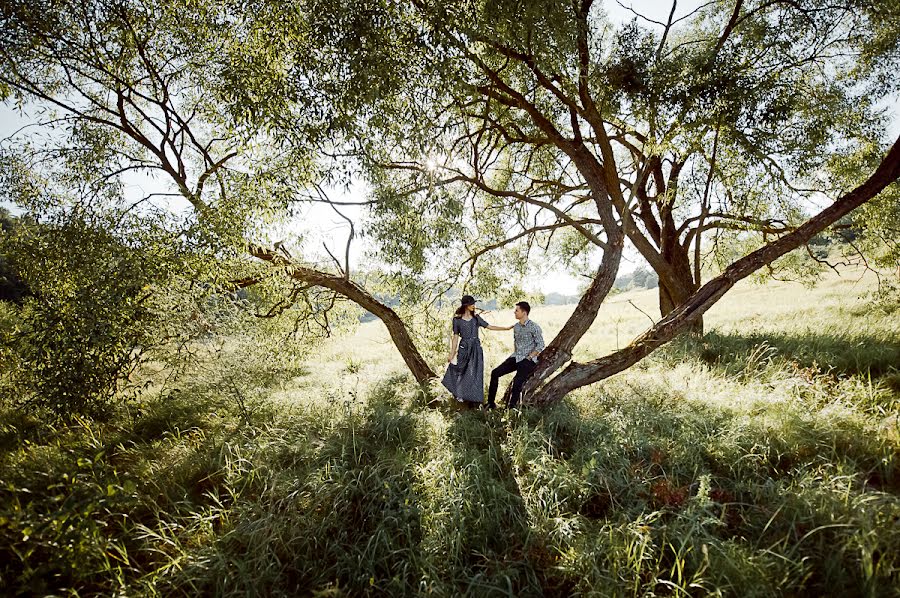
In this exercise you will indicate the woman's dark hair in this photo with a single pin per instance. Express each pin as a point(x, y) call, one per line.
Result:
point(461, 311)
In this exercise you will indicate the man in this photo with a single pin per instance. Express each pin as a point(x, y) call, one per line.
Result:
point(529, 342)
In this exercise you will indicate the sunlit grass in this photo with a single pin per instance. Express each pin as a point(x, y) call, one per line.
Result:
point(763, 459)
point(832, 324)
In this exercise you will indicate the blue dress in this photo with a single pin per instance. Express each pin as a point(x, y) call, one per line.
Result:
point(466, 379)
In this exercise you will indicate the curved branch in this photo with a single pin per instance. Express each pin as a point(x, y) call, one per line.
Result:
point(352, 291)
point(478, 182)
point(577, 375)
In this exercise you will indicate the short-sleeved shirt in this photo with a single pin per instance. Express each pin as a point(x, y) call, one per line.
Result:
point(467, 330)
point(528, 338)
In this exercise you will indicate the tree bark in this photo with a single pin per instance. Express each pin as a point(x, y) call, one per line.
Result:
point(577, 375)
point(671, 297)
point(559, 351)
point(352, 291)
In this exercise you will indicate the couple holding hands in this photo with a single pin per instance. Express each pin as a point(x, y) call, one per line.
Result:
point(465, 371)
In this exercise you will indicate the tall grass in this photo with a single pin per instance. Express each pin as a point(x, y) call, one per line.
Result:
point(756, 461)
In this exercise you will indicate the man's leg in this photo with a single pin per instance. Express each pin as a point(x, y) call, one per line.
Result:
point(523, 369)
point(507, 367)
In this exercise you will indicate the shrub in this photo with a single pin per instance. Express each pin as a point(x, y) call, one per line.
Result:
point(69, 346)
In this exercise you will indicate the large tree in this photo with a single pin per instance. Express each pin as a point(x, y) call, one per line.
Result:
point(714, 131)
point(720, 123)
point(482, 127)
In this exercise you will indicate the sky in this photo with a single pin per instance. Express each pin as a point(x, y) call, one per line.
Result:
point(333, 230)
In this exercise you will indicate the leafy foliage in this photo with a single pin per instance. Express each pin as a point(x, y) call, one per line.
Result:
point(93, 311)
point(11, 286)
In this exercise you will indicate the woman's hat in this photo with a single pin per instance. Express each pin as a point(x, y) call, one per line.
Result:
point(468, 300)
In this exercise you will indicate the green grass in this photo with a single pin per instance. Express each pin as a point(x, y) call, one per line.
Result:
point(761, 460)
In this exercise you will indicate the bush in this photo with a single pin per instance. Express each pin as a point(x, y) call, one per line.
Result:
point(91, 316)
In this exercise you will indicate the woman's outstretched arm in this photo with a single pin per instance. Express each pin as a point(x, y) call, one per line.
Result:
point(483, 323)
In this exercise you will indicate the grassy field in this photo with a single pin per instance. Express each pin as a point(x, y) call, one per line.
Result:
point(761, 460)
point(823, 324)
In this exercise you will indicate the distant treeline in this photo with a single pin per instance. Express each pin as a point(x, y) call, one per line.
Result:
point(641, 278)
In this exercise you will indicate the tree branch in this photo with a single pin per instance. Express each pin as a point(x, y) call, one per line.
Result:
point(578, 374)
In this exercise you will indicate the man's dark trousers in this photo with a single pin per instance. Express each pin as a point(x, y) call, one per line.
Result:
point(523, 369)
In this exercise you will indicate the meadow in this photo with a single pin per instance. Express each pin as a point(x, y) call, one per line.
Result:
point(760, 460)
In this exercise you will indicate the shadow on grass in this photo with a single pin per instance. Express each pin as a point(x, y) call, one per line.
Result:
point(860, 354)
point(708, 475)
point(391, 498)
point(386, 498)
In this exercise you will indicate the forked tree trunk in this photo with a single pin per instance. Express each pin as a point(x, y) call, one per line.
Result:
point(558, 352)
point(577, 375)
point(349, 289)
point(672, 297)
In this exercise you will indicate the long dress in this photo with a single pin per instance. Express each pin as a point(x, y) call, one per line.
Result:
point(466, 379)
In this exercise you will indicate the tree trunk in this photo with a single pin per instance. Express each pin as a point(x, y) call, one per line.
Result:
point(559, 351)
point(577, 375)
point(671, 297)
point(349, 289)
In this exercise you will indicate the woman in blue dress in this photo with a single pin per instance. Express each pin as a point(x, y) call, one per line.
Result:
point(465, 378)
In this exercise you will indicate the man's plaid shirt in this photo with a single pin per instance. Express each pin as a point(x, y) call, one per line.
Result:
point(528, 338)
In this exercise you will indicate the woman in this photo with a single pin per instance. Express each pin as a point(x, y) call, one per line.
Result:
point(465, 378)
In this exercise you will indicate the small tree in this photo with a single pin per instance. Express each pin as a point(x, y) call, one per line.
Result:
point(198, 95)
